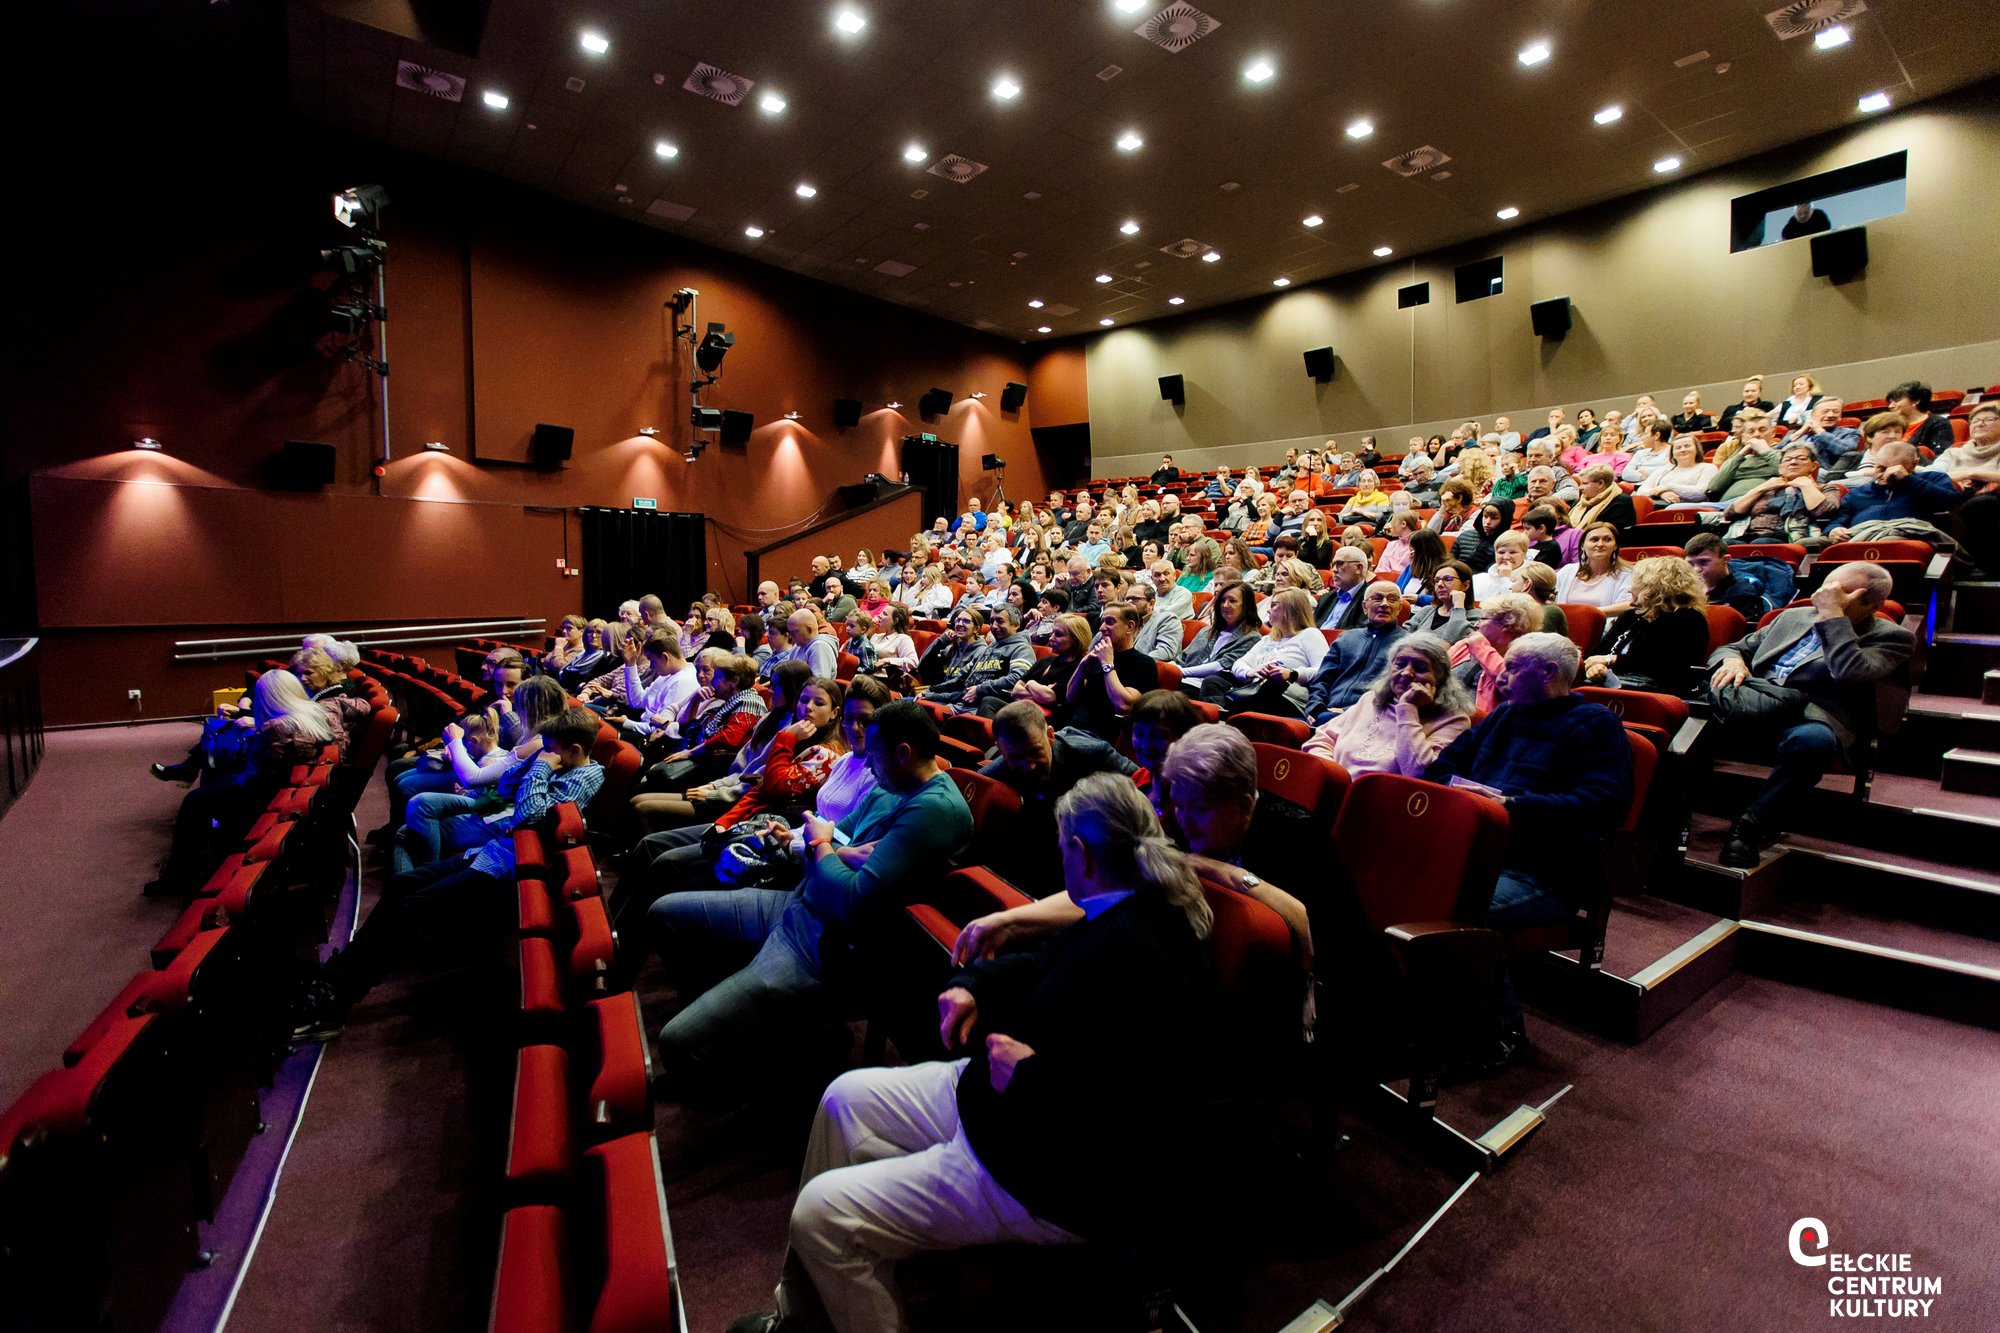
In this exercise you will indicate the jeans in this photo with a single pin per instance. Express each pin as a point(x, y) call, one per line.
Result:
point(414, 780)
point(1807, 752)
point(1520, 900)
point(775, 985)
point(436, 822)
point(416, 907)
point(662, 863)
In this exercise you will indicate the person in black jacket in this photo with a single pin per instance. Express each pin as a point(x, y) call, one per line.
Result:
point(1658, 646)
point(1166, 471)
point(1064, 1122)
point(1042, 765)
point(1922, 427)
point(1753, 396)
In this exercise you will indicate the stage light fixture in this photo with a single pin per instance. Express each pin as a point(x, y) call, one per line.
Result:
point(714, 346)
point(353, 259)
point(360, 206)
point(706, 418)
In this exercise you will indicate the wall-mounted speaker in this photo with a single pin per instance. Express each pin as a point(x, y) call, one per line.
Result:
point(1840, 255)
point(1551, 317)
point(1319, 363)
point(303, 465)
point(846, 412)
point(551, 445)
point(736, 428)
point(1173, 389)
point(935, 403)
point(1013, 396)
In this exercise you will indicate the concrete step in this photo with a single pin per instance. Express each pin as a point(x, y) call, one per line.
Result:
point(1936, 723)
point(1903, 812)
point(1969, 770)
point(1989, 687)
point(1975, 605)
point(1849, 953)
point(1963, 663)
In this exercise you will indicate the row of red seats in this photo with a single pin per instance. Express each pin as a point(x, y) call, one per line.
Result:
point(107, 1163)
point(585, 1242)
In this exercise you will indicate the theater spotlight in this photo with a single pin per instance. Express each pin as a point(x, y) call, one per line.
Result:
point(360, 206)
point(714, 346)
point(348, 318)
point(707, 418)
point(352, 259)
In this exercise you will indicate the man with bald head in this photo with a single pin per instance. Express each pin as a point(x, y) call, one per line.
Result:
point(1804, 686)
point(1357, 656)
point(1899, 491)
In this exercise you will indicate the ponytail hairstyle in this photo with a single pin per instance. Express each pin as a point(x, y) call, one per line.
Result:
point(1118, 825)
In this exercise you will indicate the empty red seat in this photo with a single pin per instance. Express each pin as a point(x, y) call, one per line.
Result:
point(1288, 732)
point(531, 1288)
point(541, 982)
point(994, 807)
point(640, 1291)
point(1586, 623)
point(594, 946)
point(541, 1142)
point(1318, 785)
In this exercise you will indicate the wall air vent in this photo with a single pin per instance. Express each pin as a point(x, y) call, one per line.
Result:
point(718, 85)
point(1177, 27)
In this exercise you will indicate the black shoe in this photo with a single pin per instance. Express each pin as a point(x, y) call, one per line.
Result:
point(765, 1321)
point(384, 836)
point(184, 773)
point(322, 1014)
point(163, 887)
point(1491, 1058)
point(1744, 849)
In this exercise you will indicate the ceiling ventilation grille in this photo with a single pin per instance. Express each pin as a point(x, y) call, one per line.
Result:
point(1110, 72)
point(955, 168)
point(1058, 311)
point(668, 209)
point(1808, 16)
point(718, 85)
point(1417, 161)
point(435, 82)
point(895, 268)
point(1185, 248)
point(1177, 27)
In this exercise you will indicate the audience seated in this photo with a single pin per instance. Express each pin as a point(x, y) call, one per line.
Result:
point(441, 823)
point(1357, 656)
point(732, 745)
point(1803, 687)
point(1787, 507)
point(1563, 769)
point(1600, 577)
point(1272, 673)
point(1110, 676)
point(1042, 765)
point(784, 939)
point(987, 668)
point(1411, 710)
point(1478, 659)
point(1900, 501)
point(1657, 645)
point(1159, 635)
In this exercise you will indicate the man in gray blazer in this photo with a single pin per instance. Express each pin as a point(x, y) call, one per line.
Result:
point(1159, 629)
point(1807, 680)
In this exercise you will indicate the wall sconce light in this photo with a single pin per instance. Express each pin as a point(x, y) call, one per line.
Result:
point(437, 446)
point(792, 415)
point(977, 394)
point(650, 432)
point(148, 443)
point(893, 407)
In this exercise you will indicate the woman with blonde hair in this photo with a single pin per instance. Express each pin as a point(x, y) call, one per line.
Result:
point(1658, 645)
point(1537, 580)
point(568, 645)
point(1278, 664)
point(1478, 658)
point(1046, 682)
point(1315, 546)
point(1198, 567)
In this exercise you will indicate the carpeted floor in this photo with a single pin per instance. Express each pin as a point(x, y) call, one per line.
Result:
point(90, 829)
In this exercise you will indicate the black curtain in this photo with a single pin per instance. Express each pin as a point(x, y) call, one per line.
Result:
point(628, 553)
point(933, 465)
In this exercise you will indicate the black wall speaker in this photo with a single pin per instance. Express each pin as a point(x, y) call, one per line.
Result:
point(1173, 388)
point(551, 445)
point(1319, 363)
point(736, 428)
point(1013, 396)
point(1550, 317)
point(304, 465)
point(935, 403)
point(1840, 255)
point(846, 412)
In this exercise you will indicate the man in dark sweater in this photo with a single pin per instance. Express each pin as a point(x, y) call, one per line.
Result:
point(1066, 1121)
point(893, 843)
point(1563, 769)
point(1041, 766)
point(1358, 656)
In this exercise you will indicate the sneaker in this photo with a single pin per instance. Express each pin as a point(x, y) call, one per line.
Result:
point(322, 1016)
point(182, 774)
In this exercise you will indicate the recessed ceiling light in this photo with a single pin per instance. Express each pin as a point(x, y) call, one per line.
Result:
point(1130, 141)
point(1611, 115)
point(850, 21)
point(1259, 71)
point(1312, 221)
point(1176, 300)
point(1130, 228)
point(1104, 323)
point(771, 103)
point(1281, 282)
point(664, 148)
point(753, 232)
point(1828, 38)
point(1211, 257)
point(1666, 164)
point(915, 153)
point(594, 42)
point(1383, 252)
point(1044, 329)
point(1508, 214)
point(498, 101)
point(805, 191)
point(1360, 129)
point(1534, 53)
point(1006, 89)
point(1132, 6)
point(1105, 277)
point(1874, 102)
point(1035, 304)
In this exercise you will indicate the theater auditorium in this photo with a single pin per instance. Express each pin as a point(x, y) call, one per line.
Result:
point(1201, 666)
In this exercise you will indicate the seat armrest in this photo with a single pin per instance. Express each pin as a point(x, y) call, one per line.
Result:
point(1687, 737)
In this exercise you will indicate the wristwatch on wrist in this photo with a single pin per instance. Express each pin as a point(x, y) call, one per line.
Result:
point(1250, 879)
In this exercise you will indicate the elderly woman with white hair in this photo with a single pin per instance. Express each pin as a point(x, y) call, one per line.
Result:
point(1477, 658)
point(1113, 1027)
point(1415, 708)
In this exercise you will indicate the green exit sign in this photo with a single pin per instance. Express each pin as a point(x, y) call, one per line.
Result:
point(642, 502)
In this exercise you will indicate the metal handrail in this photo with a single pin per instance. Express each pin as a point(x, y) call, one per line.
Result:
point(261, 644)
